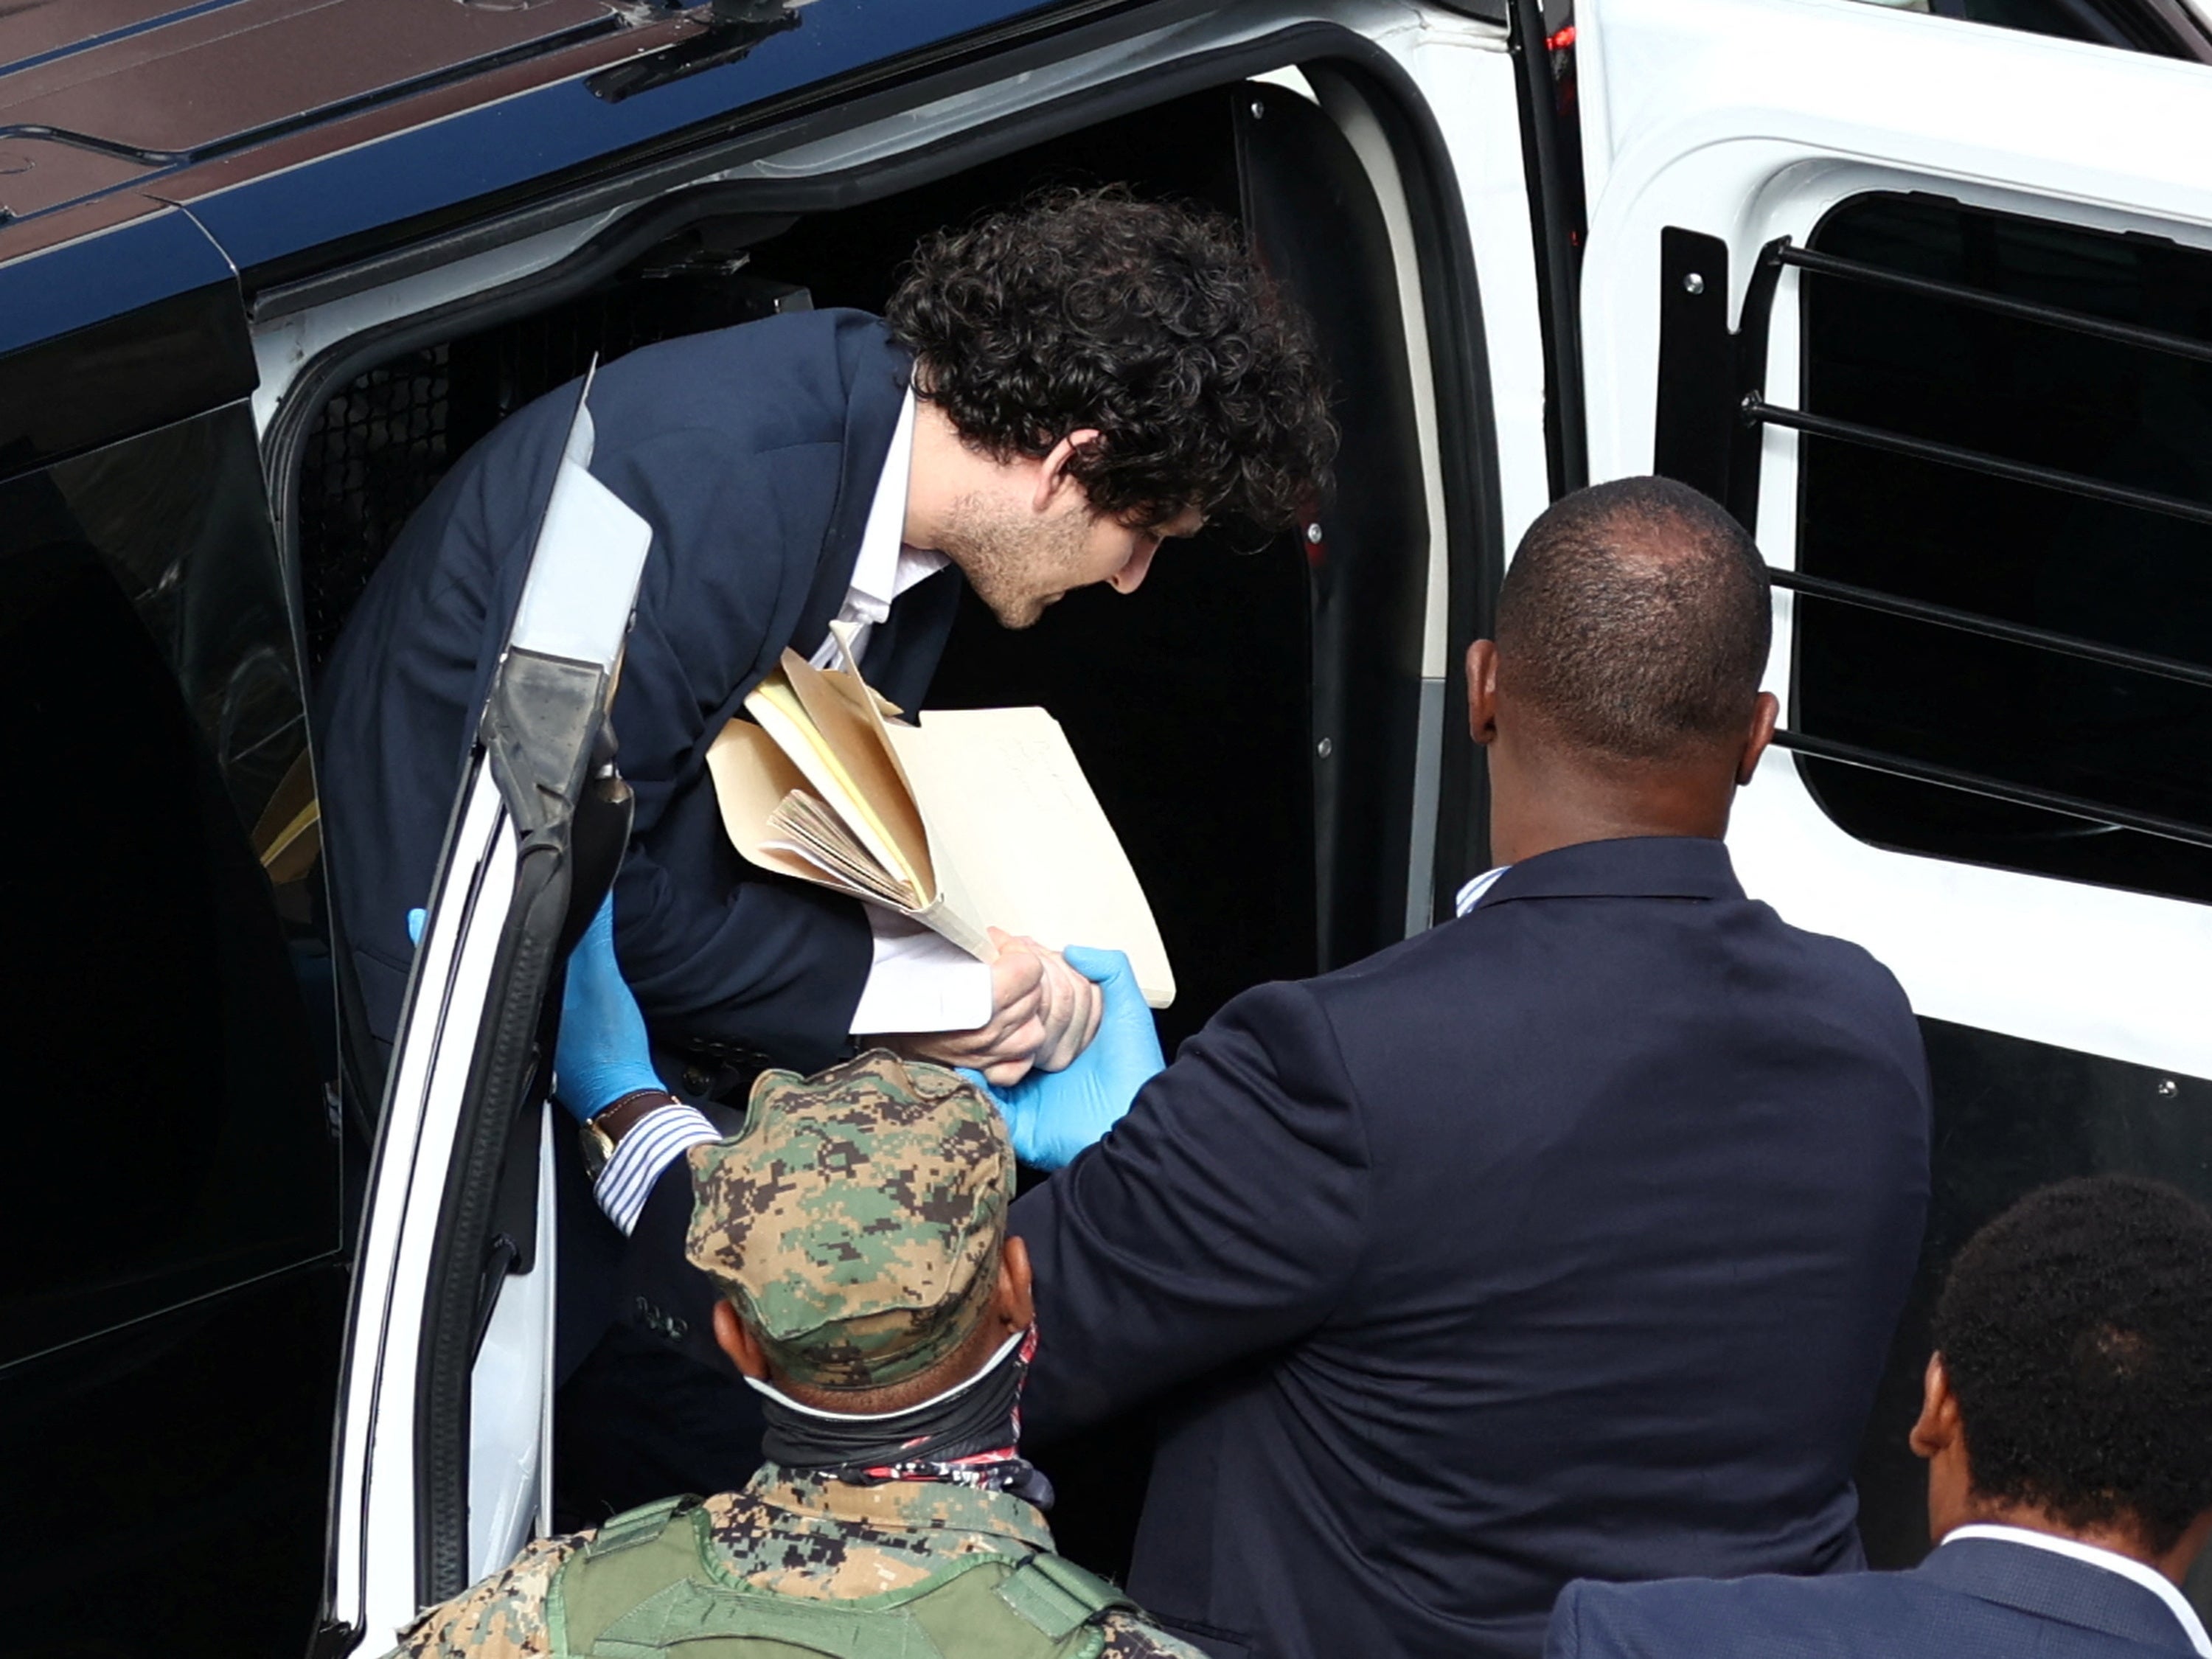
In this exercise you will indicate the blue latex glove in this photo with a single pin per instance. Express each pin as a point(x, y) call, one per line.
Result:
point(602, 1054)
point(1052, 1116)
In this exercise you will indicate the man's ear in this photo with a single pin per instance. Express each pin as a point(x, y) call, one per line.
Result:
point(1054, 480)
point(744, 1348)
point(1765, 712)
point(1011, 1301)
point(1937, 1430)
point(1482, 691)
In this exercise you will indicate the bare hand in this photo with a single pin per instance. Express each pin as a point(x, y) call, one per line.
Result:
point(1072, 1005)
point(1004, 1045)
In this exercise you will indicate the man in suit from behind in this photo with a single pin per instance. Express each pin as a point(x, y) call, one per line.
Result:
point(1566, 1238)
point(2067, 1423)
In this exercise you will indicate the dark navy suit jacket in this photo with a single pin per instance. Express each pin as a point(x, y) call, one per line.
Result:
point(754, 452)
point(1564, 1240)
point(1980, 1598)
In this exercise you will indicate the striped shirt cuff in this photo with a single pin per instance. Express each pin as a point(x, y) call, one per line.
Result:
point(655, 1141)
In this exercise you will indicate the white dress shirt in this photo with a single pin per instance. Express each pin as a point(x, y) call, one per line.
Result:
point(886, 566)
point(918, 980)
point(1471, 894)
point(2148, 1576)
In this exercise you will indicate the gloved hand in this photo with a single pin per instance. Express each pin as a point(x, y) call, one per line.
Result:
point(1052, 1116)
point(602, 1054)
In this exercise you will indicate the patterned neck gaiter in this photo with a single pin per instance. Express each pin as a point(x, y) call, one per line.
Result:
point(969, 1435)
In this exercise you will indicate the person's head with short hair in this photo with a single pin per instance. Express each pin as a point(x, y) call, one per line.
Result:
point(1620, 695)
point(2071, 1389)
point(857, 1231)
point(1102, 372)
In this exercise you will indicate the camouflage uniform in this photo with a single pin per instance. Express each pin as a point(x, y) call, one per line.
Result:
point(795, 1536)
point(856, 1224)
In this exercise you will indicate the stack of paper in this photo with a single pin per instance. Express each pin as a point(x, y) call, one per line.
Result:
point(974, 819)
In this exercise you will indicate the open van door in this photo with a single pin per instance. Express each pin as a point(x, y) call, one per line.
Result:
point(445, 1402)
point(1924, 303)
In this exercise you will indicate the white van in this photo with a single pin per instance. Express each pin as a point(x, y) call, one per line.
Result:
point(1925, 299)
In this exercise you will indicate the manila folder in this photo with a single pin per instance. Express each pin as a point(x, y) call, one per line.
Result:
point(1019, 841)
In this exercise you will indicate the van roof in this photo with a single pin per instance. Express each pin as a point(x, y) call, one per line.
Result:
point(98, 96)
point(259, 115)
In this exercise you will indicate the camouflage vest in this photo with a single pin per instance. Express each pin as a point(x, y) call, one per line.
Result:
point(643, 1585)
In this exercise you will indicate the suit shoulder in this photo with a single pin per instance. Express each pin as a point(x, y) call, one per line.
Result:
point(1851, 967)
point(835, 331)
point(838, 342)
point(1841, 1613)
point(1455, 945)
point(839, 333)
point(759, 386)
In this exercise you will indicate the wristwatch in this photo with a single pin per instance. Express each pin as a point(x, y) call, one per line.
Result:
point(606, 1126)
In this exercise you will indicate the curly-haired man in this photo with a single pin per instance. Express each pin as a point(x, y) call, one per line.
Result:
point(2067, 1425)
point(1055, 390)
point(1052, 392)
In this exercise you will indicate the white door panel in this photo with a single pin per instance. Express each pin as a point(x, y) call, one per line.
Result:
point(374, 1588)
point(2125, 976)
point(1466, 75)
point(1664, 79)
point(1748, 120)
point(510, 1432)
point(536, 809)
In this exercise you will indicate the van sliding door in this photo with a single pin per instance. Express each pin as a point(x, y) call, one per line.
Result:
point(1314, 220)
point(1924, 303)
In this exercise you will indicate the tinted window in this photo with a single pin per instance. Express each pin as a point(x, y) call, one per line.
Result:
point(2012, 1115)
point(170, 1137)
point(165, 1484)
point(2022, 552)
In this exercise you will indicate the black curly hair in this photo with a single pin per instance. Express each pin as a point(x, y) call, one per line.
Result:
point(2077, 1332)
point(1147, 320)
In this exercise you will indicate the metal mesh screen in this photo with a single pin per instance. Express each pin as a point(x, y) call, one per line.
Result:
point(379, 448)
point(380, 445)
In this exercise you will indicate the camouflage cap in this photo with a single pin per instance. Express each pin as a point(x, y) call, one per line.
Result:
point(855, 1222)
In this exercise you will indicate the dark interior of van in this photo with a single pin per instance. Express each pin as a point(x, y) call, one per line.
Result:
point(1248, 718)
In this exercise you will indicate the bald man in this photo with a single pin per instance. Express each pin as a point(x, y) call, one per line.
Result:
point(1565, 1240)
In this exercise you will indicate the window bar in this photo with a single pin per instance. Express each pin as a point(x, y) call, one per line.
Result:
point(1756, 409)
point(1785, 252)
point(2020, 795)
point(1969, 622)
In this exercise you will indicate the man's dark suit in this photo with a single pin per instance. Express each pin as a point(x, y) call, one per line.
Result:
point(1980, 1598)
point(754, 453)
point(1565, 1239)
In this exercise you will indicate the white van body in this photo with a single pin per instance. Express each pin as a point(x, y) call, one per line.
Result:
point(1739, 121)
